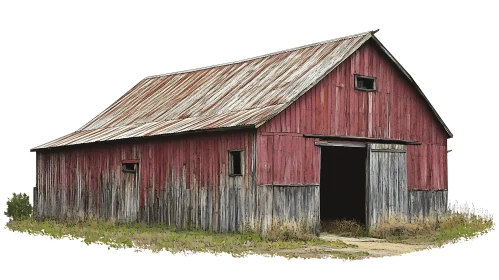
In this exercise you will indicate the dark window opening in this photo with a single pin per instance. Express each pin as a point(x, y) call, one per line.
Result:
point(129, 167)
point(235, 166)
point(365, 83)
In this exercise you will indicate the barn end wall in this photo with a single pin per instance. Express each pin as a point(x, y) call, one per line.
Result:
point(183, 181)
point(427, 204)
point(395, 111)
point(334, 107)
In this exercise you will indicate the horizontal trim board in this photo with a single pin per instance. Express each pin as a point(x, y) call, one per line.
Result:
point(362, 139)
point(130, 161)
point(281, 134)
point(423, 190)
point(290, 185)
point(387, 150)
point(341, 144)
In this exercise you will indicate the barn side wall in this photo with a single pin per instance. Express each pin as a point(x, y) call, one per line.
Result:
point(183, 182)
point(394, 111)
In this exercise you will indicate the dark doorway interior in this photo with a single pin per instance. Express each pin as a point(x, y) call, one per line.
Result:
point(342, 185)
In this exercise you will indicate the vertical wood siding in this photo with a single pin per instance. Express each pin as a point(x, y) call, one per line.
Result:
point(287, 160)
point(289, 175)
point(182, 181)
point(334, 107)
point(387, 196)
point(427, 204)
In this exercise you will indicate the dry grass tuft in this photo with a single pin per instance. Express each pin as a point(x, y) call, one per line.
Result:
point(349, 228)
point(289, 230)
point(394, 228)
point(460, 221)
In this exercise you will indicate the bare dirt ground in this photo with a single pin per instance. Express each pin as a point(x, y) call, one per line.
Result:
point(373, 247)
point(355, 248)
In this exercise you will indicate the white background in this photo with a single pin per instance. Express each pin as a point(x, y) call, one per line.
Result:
point(61, 64)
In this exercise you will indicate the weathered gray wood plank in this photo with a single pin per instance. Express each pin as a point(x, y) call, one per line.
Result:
point(386, 183)
point(426, 204)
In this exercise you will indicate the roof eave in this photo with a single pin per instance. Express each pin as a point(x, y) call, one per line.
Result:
point(385, 50)
point(238, 127)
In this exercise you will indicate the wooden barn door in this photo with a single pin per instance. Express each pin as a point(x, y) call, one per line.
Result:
point(386, 195)
point(130, 193)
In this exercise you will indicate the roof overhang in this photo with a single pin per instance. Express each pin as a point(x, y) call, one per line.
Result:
point(399, 66)
point(150, 137)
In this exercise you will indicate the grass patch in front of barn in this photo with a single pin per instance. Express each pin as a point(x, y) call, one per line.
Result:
point(460, 222)
point(157, 238)
point(339, 239)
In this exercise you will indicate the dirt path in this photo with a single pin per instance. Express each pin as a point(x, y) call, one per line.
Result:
point(373, 246)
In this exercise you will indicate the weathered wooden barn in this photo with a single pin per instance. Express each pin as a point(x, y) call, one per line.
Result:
point(336, 129)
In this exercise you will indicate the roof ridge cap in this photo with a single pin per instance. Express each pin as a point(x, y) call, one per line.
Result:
point(262, 56)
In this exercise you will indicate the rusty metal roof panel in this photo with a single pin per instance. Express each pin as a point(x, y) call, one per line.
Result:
point(245, 118)
point(242, 93)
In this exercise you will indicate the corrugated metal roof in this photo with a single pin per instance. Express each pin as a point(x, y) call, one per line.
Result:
point(242, 93)
point(243, 118)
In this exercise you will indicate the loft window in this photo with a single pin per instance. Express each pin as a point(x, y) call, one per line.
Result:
point(129, 167)
point(235, 163)
point(365, 83)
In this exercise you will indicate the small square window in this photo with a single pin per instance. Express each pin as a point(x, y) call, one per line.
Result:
point(235, 163)
point(129, 167)
point(365, 83)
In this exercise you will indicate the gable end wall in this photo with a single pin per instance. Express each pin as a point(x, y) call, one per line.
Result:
point(334, 107)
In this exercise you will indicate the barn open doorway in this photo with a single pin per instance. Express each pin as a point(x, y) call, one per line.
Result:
point(343, 183)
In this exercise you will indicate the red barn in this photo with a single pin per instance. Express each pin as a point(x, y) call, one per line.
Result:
point(332, 130)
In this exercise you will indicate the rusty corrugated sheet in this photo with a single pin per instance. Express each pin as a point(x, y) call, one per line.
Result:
point(244, 93)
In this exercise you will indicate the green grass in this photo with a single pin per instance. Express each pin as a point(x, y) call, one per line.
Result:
point(157, 238)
